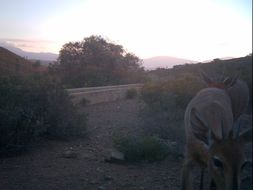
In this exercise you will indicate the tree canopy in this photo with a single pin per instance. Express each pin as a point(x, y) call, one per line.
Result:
point(95, 61)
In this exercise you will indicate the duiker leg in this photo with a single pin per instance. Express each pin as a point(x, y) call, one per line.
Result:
point(201, 185)
point(186, 178)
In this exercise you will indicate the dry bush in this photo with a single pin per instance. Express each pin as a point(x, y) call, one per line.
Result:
point(32, 107)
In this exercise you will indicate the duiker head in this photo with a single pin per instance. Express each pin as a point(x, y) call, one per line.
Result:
point(226, 158)
point(221, 81)
point(226, 161)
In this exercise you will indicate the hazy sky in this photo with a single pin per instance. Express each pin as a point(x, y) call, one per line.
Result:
point(191, 29)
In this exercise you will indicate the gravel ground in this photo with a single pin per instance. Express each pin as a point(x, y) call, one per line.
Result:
point(80, 164)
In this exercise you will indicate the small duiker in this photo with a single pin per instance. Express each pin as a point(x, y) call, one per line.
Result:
point(213, 141)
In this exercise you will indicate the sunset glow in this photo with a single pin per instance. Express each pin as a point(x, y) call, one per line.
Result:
point(196, 30)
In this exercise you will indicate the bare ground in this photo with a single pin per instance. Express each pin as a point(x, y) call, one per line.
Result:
point(80, 164)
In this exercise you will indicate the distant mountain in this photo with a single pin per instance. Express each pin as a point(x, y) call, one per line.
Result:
point(30, 55)
point(164, 62)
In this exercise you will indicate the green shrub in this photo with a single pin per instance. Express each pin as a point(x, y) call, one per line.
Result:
point(131, 93)
point(165, 103)
point(32, 107)
point(163, 96)
point(141, 148)
point(62, 119)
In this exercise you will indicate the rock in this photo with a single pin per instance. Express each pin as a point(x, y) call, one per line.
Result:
point(101, 187)
point(114, 156)
point(99, 170)
point(93, 182)
point(108, 178)
point(180, 157)
point(88, 156)
point(69, 154)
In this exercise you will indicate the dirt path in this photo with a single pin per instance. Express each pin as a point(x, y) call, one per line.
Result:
point(79, 164)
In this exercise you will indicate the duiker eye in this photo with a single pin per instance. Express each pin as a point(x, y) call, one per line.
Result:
point(217, 163)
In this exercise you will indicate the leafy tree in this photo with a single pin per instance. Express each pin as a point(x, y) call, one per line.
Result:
point(95, 61)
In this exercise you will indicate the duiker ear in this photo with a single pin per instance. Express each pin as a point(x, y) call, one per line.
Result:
point(201, 130)
point(246, 136)
point(199, 126)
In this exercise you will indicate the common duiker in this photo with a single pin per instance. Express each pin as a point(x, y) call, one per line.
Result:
point(212, 140)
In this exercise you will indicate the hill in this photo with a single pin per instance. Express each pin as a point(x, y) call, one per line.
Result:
point(12, 64)
point(163, 62)
point(45, 56)
point(241, 67)
point(238, 66)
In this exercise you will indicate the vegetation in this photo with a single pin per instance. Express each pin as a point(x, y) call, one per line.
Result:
point(142, 148)
point(165, 103)
point(96, 62)
point(32, 107)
